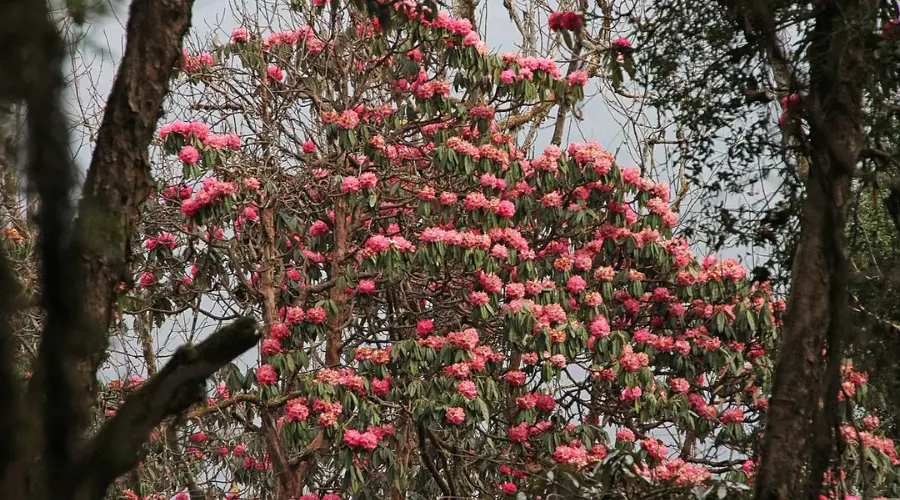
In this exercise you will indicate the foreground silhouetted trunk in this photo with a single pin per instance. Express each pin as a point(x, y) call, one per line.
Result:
point(44, 452)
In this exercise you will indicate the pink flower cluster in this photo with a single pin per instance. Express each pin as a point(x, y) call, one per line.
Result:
point(732, 416)
point(166, 240)
point(344, 377)
point(201, 133)
point(430, 88)
point(521, 432)
point(296, 410)
point(883, 444)
point(467, 389)
point(655, 448)
point(352, 184)
point(455, 415)
point(716, 270)
point(212, 190)
point(631, 393)
point(377, 356)
point(380, 243)
point(543, 402)
point(266, 375)
point(365, 440)
point(195, 63)
point(466, 339)
point(565, 21)
point(477, 201)
point(578, 77)
point(678, 471)
point(328, 412)
point(313, 496)
point(573, 454)
point(631, 361)
point(701, 407)
point(526, 66)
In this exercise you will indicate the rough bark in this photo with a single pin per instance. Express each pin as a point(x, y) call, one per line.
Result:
point(10, 417)
point(119, 180)
point(286, 486)
point(465, 9)
point(802, 415)
point(334, 342)
point(338, 296)
point(9, 178)
point(38, 84)
point(9, 288)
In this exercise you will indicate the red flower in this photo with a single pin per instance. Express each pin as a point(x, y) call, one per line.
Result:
point(566, 21)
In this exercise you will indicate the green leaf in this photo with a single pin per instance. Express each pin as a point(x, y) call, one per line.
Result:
point(483, 409)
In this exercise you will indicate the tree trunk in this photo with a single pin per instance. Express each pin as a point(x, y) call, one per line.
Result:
point(808, 371)
point(81, 268)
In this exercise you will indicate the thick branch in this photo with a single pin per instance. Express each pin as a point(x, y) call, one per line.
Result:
point(178, 386)
point(806, 382)
point(429, 464)
point(54, 402)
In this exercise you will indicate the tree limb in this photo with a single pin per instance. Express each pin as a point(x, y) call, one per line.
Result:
point(179, 385)
point(56, 408)
point(429, 464)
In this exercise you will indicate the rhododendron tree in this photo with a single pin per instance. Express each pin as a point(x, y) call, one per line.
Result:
point(445, 313)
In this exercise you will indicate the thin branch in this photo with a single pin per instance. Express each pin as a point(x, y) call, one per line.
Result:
point(429, 464)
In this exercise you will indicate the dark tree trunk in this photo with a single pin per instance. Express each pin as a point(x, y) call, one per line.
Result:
point(83, 262)
point(803, 418)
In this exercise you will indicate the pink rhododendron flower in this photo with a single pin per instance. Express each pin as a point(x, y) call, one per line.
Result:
point(732, 416)
point(455, 415)
point(576, 284)
point(366, 286)
point(515, 377)
point(350, 184)
point(467, 389)
point(316, 315)
point(578, 77)
point(296, 410)
point(621, 43)
point(239, 35)
point(266, 375)
point(189, 155)
point(381, 387)
point(565, 21)
point(368, 180)
point(274, 74)
point(424, 327)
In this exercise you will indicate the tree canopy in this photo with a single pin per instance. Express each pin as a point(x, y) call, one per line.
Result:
point(445, 310)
